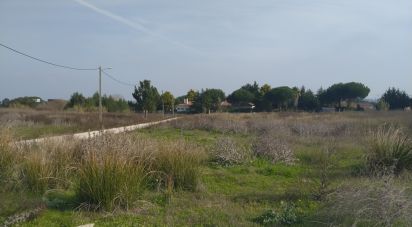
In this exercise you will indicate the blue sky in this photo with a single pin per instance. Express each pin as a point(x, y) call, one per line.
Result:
point(193, 44)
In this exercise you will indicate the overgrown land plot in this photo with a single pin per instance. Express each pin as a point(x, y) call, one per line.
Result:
point(297, 169)
point(31, 124)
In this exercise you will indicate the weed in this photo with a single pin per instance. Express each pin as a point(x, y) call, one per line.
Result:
point(286, 214)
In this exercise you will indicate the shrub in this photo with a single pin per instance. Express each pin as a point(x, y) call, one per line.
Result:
point(227, 152)
point(389, 148)
point(287, 214)
point(273, 149)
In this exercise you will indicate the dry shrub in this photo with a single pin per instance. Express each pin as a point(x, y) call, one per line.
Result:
point(274, 149)
point(372, 202)
point(227, 151)
point(389, 148)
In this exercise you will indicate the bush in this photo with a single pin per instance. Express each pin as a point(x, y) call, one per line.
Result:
point(389, 149)
point(287, 214)
point(227, 152)
point(273, 149)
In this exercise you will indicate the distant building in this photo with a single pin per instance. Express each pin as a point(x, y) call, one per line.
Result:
point(184, 107)
point(366, 106)
point(328, 109)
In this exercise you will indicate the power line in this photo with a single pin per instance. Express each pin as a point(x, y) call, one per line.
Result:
point(117, 80)
point(47, 62)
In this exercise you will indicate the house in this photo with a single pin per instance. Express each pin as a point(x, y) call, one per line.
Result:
point(184, 107)
point(365, 106)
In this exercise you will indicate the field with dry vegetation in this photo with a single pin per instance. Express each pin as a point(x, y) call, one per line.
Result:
point(30, 124)
point(273, 169)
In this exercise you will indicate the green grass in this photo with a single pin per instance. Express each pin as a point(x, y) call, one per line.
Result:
point(216, 195)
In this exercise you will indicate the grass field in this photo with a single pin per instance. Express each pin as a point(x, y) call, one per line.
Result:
point(274, 169)
point(30, 124)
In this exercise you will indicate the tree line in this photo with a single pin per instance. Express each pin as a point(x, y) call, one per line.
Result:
point(249, 97)
point(340, 96)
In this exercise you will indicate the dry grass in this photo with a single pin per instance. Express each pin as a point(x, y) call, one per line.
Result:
point(373, 202)
point(389, 148)
point(7, 157)
point(107, 172)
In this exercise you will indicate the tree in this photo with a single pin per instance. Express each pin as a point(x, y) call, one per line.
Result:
point(340, 92)
point(147, 97)
point(210, 99)
point(308, 101)
point(5, 102)
point(396, 99)
point(280, 97)
point(192, 95)
point(252, 88)
point(265, 89)
point(382, 105)
point(76, 99)
point(241, 96)
point(168, 100)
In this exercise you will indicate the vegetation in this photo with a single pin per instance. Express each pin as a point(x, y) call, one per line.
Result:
point(389, 150)
point(296, 169)
point(396, 99)
point(30, 124)
point(147, 97)
point(248, 98)
point(109, 103)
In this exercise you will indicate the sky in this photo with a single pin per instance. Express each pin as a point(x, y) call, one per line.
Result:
point(194, 44)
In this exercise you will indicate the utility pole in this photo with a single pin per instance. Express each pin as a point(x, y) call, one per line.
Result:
point(163, 105)
point(173, 107)
point(100, 98)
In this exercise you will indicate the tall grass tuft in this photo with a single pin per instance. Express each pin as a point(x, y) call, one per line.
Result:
point(178, 164)
point(112, 172)
point(389, 149)
point(7, 157)
point(47, 165)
